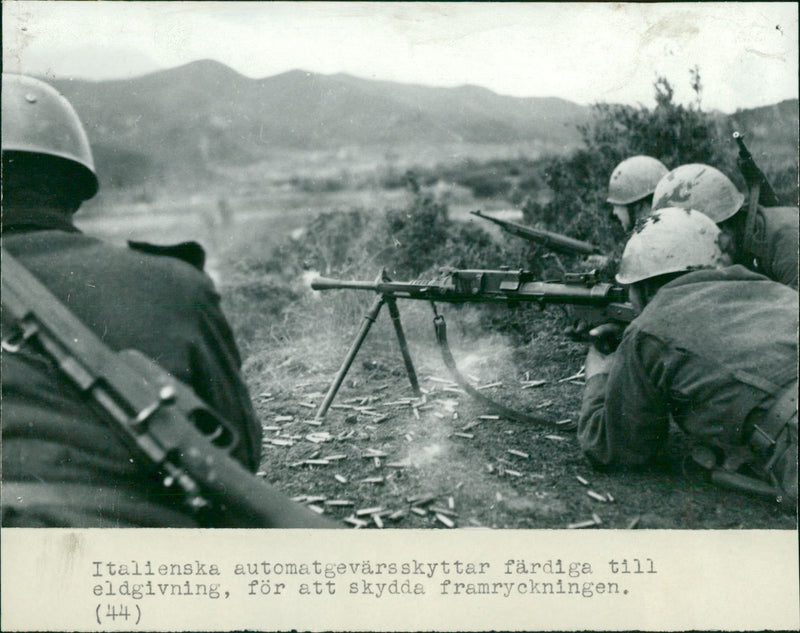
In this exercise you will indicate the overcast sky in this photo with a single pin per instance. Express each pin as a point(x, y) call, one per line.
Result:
point(747, 52)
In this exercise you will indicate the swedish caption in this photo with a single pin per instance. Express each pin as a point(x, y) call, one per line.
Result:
point(115, 582)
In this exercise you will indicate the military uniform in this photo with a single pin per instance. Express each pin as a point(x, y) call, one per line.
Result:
point(778, 228)
point(63, 465)
point(714, 350)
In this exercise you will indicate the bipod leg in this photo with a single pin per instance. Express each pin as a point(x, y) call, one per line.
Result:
point(369, 319)
point(401, 339)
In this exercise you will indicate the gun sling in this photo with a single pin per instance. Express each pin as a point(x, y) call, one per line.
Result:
point(440, 328)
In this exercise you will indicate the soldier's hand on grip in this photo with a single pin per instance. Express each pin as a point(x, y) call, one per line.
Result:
point(606, 337)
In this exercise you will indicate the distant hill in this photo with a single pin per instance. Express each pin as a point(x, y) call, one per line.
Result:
point(771, 128)
point(203, 113)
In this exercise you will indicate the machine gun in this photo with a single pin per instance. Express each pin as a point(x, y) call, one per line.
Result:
point(554, 241)
point(188, 445)
point(591, 303)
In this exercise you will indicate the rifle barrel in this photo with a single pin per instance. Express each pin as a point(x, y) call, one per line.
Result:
point(753, 175)
point(739, 138)
point(554, 241)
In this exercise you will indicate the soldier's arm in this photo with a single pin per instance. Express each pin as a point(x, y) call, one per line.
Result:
point(623, 420)
point(781, 260)
point(217, 379)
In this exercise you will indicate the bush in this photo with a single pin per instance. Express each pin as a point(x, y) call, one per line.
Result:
point(407, 241)
point(255, 304)
point(417, 232)
point(333, 242)
point(783, 178)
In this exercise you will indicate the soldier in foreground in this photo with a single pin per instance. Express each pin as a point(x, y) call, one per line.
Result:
point(770, 247)
point(631, 187)
point(63, 464)
point(714, 348)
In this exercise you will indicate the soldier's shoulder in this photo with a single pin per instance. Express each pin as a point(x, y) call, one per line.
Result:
point(189, 252)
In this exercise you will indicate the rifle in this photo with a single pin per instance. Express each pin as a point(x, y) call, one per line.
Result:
point(158, 417)
point(761, 192)
point(554, 241)
point(753, 175)
point(592, 303)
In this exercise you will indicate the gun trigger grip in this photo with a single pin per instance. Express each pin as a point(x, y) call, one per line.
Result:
point(22, 331)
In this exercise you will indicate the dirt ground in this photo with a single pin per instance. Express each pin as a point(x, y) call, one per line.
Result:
point(382, 458)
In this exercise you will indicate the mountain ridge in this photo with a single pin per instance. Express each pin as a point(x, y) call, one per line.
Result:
point(338, 109)
point(187, 117)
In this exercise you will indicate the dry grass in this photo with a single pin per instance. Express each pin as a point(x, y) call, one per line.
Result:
point(493, 472)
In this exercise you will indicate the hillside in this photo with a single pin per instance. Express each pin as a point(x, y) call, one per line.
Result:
point(298, 109)
point(770, 123)
point(770, 131)
point(204, 112)
point(191, 118)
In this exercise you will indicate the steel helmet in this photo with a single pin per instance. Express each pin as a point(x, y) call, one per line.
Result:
point(700, 187)
point(37, 119)
point(670, 240)
point(634, 178)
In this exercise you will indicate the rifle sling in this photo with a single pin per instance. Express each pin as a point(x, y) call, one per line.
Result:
point(754, 244)
point(440, 329)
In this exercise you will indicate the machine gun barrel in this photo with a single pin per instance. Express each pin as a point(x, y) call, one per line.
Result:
point(325, 283)
point(554, 241)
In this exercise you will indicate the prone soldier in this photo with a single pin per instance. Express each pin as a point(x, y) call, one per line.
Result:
point(714, 348)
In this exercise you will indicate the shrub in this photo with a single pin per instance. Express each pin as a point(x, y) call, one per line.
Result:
point(253, 303)
point(407, 241)
point(417, 232)
point(333, 242)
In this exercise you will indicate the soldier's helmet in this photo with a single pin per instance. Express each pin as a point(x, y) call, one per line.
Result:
point(670, 240)
point(700, 187)
point(37, 119)
point(634, 178)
